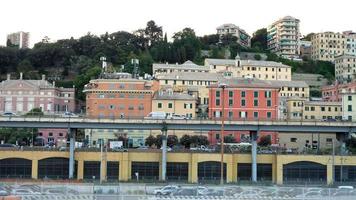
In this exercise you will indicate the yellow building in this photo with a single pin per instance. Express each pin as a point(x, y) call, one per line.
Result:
point(173, 103)
point(327, 45)
point(264, 70)
point(319, 110)
point(188, 66)
point(295, 107)
point(345, 68)
point(183, 166)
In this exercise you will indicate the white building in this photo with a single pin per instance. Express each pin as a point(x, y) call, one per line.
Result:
point(20, 39)
point(243, 38)
point(348, 105)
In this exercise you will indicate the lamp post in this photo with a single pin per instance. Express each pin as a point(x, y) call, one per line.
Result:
point(222, 86)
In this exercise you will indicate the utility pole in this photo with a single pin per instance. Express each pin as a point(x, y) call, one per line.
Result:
point(222, 86)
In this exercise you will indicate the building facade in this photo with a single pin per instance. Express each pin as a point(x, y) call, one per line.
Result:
point(322, 111)
point(283, 37)
point(349, 105)
point(20, 96)
point(20, 39)
point(188, 66)
point(327, 45)
point(173, 103)
point(119, 98)
point(243, 38)
point(345, 68)
point(58, 137)
point(333, 92)
point(305, 49)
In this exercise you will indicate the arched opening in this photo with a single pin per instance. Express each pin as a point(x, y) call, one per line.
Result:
point(55, 168)
point(304, 172)
point(15, 168)
point(210, 171)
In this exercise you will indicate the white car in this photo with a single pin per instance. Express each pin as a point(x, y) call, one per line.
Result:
point(166, 190)
point(69, 114)
point(174, 116)
point(8, 114)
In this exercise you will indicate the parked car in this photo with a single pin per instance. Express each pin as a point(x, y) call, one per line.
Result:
point(168, 148)
point(119, 149)
point(8, 114)
point(69, 114)
point(166, 190)
point(7, 145)
point(175, 116)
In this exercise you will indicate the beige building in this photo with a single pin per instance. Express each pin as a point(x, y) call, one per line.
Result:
point(345, 68)
point(243, 38)
point(173, 103)
point(348, 105)
point(188, 66)
point(327, 45)
point(283, 37)
point(295, 107)
point(20, 39)
point(320, 110)
point(263, 70)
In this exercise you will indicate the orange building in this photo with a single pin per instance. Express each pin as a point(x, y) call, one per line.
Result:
point(119, 98)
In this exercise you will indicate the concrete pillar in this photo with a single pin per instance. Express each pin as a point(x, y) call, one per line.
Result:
point(103, 170)
point(125, 168)
point(71, 152)
point(254, 136)
point(229, 168)
point(164, 155)
point(193, 169)
point(34, 172)
point(80, 170)
point(279, 171)
point(329, 174)
point(234, 168)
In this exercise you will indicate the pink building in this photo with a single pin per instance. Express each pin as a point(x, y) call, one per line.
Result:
point(55, 136)
point(333, 92)
point(20, 96)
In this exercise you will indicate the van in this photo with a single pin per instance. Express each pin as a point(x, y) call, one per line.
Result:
point(156, 115)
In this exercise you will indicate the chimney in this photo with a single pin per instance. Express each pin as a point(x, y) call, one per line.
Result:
point(21, 75)
point(8, 77)
point(43, 77)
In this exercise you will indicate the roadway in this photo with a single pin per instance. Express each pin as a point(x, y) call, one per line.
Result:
point(174, 124)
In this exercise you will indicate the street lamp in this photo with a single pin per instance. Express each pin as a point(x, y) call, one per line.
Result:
point(222, 86)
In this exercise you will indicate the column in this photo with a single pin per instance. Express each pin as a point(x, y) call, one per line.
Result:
point(71, 152)
point(34, 172)
point(330, 174)
point(103, 170)
point(193, 169)
point(164, 155)
point(229, 169)
point(254, 136)
point(80, 172)
point(279, 171)
point(125, 168)
point(234, 168)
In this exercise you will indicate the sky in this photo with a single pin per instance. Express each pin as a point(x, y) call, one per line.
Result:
point(60, 19)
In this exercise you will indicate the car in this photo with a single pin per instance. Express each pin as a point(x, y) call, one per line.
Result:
point(166, 190)
point(3, 192)
point(20, 191)
point(69, 114)
point(143, 147)
point(8, 114)
point(62, 148)
point(119, 149)
point(7, 146)
point(168, 148)
point(156, 115)
point(175, 116)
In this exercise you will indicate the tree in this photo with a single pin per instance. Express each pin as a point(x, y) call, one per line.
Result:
point(172, 140)
point(124, 140)
point(308, 37)
point(229, 139)
point(185, 141)
point(153, 33)
point(351, 144)
point(35, 112)
point(158, 141)
point(150, 141)
point(259, 39)
point(265, 140)
point(257, 57)
point(198, 140)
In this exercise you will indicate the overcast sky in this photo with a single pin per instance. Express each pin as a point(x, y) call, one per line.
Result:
point(60, 19)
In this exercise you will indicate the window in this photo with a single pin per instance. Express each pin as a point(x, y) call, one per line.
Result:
point(243, 102)
point(217, 94)
point(349, 108)
point(349, 98)
point(255, 115)
point(255, 94)
point(159, 105)
point(269, 115)
point(131, 108)
point(329, 140)
point(293, 140)
point(322, 109)
point(50, 134)
point(268, 94)
point(243, 94)
point(306, 108)
point(111, 107)
point(255, 102)
point(217, 102)
point(312, 108)
point(329, 109)
point(231, 94)
point(217, 136)
point(231, 102)
point(231, 114)
point(60, 134)
point(269, 103)
point(170, 105)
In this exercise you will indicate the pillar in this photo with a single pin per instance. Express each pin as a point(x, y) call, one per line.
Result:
point(234, 168)
point(193, 169)
point(80, 172)
point(254, 136)
point(164, 155)
point(125, 168)
point(34, 172)
point(71, 152)
point(279, 171)
point(103, 166)
point(330, 174)
point(229, 169)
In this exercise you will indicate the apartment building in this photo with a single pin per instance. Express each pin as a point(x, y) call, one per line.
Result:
point(322, 111)
point(333, 92)
point(295, 108)
point(188, 66)
point(345, 68)
point(349, 105)
point(283, 37)
point(21, 95)
point(20, 39)
point(328, 45)
point(350, 43)
point(119, 98)
point(173, 103)
point(243, 38)
point(264, 70)
point(305, 49)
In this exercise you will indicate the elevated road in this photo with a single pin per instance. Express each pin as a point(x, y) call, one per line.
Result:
point(190, 124)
